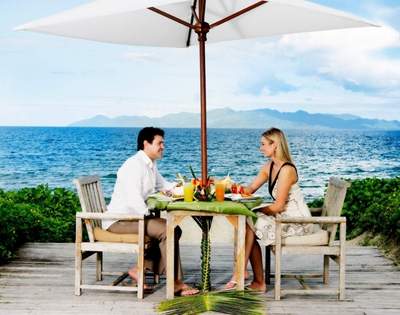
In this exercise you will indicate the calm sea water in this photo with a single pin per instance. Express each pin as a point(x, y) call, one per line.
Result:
point(30, 156)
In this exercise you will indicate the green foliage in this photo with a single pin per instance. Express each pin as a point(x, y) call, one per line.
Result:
point(226, 302)
point(38, 214)
point(372, 205)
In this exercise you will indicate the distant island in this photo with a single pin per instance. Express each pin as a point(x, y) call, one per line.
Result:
point(257, 118)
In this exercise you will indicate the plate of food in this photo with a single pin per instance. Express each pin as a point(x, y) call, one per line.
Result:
point(163, 196)
point(239, 197)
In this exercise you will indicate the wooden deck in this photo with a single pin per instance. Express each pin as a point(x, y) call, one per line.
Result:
point(40, 281)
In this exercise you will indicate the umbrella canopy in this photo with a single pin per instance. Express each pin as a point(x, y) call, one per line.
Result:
point(178, 23)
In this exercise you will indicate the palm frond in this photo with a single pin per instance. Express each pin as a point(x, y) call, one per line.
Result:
point(226, 302)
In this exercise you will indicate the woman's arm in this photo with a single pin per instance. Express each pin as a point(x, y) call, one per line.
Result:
point(287, 178)
point(261, 178)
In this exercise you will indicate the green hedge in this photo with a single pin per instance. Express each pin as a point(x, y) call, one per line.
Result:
point(39, 214)
point(371, 205)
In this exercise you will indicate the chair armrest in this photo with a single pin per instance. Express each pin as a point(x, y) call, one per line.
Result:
point(108, 216)
point(325, 220)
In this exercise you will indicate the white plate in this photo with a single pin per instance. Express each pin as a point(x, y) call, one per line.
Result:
point(238, 197)
point(160, 196)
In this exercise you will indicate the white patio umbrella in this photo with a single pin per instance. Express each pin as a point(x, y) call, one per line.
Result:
point(177, 23)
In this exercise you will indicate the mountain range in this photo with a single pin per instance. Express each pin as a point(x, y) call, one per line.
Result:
point(257, 118)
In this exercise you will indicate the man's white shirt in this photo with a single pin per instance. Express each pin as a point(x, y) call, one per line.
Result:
point(137, 178)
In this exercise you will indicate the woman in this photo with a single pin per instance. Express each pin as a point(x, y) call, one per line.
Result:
point(281, 175)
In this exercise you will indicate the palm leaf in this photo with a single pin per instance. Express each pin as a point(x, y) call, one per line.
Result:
point(226, 302)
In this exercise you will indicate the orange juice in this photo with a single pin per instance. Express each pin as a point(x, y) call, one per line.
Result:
point(219, 191)
point(188, 192)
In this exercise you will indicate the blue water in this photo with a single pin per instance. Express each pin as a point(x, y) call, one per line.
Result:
point(35, 155)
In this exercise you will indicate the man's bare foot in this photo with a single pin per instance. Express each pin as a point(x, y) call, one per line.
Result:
point(182, 289)
point(257, 287)
point(133, 273)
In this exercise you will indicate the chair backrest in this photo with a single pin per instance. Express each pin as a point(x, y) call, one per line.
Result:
point(92, 200)
point(333, 203)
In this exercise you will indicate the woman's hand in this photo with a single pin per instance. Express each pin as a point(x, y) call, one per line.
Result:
point(267, 210)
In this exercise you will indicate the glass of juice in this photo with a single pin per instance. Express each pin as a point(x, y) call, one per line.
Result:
point(188, 189)
point(219, 191)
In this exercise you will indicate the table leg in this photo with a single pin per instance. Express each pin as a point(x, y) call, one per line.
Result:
point(170, 255)
point(240, 251)
point(235, 241)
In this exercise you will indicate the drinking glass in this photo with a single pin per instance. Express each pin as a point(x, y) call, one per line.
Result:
point(188, 189)
point(219, 191)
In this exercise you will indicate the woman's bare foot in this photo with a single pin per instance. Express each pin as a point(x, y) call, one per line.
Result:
point(233, 282)
point(230, 285)
point(133, 273)
point(257, 287)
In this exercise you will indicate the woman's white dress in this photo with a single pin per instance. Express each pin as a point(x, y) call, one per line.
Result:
point(295, 206)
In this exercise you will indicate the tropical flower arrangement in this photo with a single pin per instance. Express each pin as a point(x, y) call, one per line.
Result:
point(206, 192)
point(202, 192)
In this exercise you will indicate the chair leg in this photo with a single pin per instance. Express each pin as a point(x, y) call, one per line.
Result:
point(99, 266)
point(326, 269)
point(267, 265)
point(140, 263)
point(78, 272)
point(277, 274)
point(78, 257)
point(342, 261)
point(278, 254)
point(156, 278)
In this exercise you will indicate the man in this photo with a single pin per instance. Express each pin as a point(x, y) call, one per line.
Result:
point(137, 178)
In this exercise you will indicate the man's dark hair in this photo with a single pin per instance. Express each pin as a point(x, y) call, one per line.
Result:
point(148, 134)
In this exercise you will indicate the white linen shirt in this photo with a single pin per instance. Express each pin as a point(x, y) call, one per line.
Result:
point(137, 178)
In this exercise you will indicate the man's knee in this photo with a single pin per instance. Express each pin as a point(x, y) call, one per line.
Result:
point(157, 228)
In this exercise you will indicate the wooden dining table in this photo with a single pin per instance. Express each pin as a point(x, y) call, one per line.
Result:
point(238, 221)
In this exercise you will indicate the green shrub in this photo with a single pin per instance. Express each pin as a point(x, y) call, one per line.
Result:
point(38, 214)
point(372, 205)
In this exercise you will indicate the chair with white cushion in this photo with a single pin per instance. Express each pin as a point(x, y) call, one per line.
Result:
point(93, 211)
point(322, 242)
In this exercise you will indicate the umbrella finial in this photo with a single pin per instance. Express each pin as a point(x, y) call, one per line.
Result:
point(201, 30)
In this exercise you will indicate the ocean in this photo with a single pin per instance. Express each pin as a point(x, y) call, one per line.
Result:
point(30, 156)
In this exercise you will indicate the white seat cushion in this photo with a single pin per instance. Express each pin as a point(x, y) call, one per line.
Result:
point(318, 238)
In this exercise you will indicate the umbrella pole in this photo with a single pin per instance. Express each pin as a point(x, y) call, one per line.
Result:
point(202, 28)
point(203, 101)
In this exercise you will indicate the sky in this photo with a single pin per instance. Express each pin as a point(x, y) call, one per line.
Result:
point(48, 80)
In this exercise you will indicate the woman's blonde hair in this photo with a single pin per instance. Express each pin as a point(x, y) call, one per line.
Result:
point(282, 148)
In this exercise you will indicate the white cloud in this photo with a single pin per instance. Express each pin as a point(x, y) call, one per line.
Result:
point(353, 55)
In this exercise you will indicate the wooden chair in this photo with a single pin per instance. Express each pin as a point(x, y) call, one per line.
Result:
point(320, 243)
point(100, 241)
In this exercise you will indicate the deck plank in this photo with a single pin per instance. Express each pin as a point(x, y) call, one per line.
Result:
point(40, 281)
